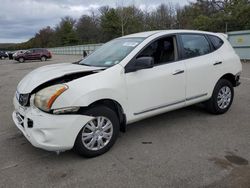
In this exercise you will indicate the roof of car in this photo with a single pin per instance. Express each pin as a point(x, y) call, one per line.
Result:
point(149, 33)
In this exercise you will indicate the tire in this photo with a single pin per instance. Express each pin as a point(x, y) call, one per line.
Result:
point(21, 60)
point(2, 57)
point(107, 116)
point(43, 58)
point(222, 97)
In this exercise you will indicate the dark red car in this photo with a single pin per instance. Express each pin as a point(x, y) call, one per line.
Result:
point(34, 54)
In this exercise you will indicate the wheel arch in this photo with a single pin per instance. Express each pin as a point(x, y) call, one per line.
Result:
point(231, 78)
point(43, 56)
point(115, 106)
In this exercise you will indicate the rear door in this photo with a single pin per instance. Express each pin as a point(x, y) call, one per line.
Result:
point(36, 54)
point(197, 56)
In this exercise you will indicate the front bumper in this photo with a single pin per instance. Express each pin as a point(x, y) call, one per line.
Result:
point(48, 131)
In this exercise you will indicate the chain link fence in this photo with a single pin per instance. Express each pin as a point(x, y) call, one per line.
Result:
point(74, 50)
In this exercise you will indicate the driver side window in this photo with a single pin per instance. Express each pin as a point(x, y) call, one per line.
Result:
point(163, 50)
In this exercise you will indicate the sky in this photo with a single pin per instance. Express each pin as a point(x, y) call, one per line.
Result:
point(21, 19)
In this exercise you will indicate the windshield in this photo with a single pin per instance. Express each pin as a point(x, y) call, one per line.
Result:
point(112, 52)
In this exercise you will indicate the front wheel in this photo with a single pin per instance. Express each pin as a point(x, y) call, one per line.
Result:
point(21, 60)
point(222, 97)
point(43, 58)
point(99, 134)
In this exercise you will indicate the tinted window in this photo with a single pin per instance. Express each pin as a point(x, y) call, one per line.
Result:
point(216, 41)
point(195, 45)
point(162, 50)
point(37, 50)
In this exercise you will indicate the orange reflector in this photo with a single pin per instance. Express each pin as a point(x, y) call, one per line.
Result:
point(53, 98)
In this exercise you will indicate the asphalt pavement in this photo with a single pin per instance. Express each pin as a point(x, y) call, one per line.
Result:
point(183, 148)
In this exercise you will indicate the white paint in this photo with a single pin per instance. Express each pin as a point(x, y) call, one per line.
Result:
point(136, 92)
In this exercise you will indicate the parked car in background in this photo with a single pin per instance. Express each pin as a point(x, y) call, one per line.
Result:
point(17, 53)
point(3, 55)
point(84, 105)
point(33, 54)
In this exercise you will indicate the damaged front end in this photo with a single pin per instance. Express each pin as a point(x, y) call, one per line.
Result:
point(23, 97)
point(43, 126)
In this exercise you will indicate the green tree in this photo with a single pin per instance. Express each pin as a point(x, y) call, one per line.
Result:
point(130, 19)
point(87, 29)
point(209, 15)
point(65, 32)
point(110, 26)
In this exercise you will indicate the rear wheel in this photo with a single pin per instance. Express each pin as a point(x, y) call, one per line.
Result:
point(43, 58)
point(222, 97)
point(21, 60)
point(98, 135)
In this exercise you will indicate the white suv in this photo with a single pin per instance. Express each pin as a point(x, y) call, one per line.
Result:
point(84, 105)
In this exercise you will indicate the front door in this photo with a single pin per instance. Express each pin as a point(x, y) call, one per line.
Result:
point(30, 54)
point(158, 89)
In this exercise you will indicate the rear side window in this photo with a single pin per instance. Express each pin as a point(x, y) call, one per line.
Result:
point(216, 41)
point(194, 45)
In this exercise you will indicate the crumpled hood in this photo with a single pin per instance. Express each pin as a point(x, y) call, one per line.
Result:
point(49, 72)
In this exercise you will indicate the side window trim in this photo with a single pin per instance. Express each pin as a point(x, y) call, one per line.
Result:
point(211, 42)
point(183, 56)
point(158, 38)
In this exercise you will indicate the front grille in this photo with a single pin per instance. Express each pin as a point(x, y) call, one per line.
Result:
point(23, 99)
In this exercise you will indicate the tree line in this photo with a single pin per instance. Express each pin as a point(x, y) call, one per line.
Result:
point(109, 22)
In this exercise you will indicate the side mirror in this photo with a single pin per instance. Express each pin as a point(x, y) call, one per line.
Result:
point(141, 63)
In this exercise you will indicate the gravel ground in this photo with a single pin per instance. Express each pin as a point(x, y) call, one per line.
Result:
point(183, 148)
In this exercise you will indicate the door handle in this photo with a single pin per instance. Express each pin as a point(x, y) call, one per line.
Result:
point(218, 63)
point(178, 72)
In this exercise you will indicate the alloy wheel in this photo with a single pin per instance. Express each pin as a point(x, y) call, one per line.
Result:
point(224, 97)
point(43, 58)
point(97, 133)
point(21, 60)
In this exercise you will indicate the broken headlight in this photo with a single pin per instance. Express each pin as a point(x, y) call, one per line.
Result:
point(45, 98)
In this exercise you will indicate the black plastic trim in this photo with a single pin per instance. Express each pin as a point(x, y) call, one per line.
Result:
point(195, 97)
point(170, 104)
point(159, 107)
point(217, 63)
